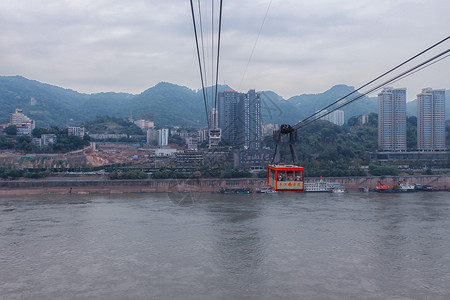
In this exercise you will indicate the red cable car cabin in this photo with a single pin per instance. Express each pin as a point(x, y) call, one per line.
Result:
point(286, 177)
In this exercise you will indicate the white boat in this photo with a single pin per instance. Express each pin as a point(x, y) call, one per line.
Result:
point(338, 189)
point(364, 189)
point(406, 187)
point(319, 186)
point(266, 190)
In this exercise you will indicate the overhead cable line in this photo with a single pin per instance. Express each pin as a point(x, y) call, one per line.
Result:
point(202, 57)
point(212, 52)
point(254, 45)
point(199, 62)
point(402, 75)
point(372, 81)
point(203, 48)
point(218, 56)
point(423, 67)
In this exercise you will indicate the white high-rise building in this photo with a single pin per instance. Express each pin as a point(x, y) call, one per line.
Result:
point(392, 119)
point(213, 118)
point(431, 120)
point(336, 117)
point(163, 137)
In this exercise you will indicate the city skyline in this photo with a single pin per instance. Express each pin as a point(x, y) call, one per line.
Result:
point(303, 47)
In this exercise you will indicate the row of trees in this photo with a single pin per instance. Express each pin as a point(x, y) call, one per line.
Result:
point(65, 142)
point(12, 174)
point(128, 175)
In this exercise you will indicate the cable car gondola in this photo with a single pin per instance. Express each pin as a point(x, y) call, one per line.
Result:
point(281, 176)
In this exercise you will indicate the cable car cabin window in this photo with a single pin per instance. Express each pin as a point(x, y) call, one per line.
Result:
point(286, 178)
point(298, 175)
point(272, 177)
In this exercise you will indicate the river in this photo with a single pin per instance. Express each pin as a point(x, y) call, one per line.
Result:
point(213, 246)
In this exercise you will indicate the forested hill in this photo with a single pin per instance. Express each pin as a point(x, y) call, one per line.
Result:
point(170, 104)
point(51, 105)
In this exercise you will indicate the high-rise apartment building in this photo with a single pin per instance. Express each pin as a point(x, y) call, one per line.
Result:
point(240, 119)
point(215, 133)
point(213, 119)
point(431, 120)
point(392, 119)
point(336, 117)
point(252, 120)
point(163, 137)
point(230, 117)
point(152, 136)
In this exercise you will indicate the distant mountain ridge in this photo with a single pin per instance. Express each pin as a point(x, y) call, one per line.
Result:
point(170, 104)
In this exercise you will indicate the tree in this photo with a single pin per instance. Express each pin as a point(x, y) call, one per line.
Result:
point(11, 130)
point(24, 143)
point(176, 139)
point(383, 170)
point(10, 173)
point(38, 131)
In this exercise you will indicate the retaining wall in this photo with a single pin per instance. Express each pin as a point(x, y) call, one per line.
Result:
point(19, 187)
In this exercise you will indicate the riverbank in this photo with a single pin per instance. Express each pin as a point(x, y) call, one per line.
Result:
point(102, 186)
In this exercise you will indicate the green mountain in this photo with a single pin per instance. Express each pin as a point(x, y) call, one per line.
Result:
point(51, 105)
point(275, 109)
point(170, 104)
point(308, 104)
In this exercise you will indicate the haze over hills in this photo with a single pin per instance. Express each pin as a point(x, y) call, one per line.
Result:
point(170, 104)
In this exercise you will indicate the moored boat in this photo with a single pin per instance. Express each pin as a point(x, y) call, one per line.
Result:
point(266, 190)
point(236, 190)
point(399, 187)
point(338, 189)
point(319, 186)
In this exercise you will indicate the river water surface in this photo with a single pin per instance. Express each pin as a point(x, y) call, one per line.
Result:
point(212, 246)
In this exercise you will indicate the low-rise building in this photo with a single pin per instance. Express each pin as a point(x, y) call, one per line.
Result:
point(24, 124)
point(104, 136)
point(76, 131)
point(48, 139)
point(189, 158)
point(45, 140)
point(37, 142)
point(165, 152)
point(145, 124)
point(255, 159)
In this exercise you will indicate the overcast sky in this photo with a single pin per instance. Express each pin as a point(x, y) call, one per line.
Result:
point(304, 46)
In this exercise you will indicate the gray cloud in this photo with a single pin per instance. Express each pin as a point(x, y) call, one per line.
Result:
point(305, 46)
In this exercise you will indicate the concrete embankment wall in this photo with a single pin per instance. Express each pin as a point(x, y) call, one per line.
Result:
point(22, 187)
point(83, 186)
